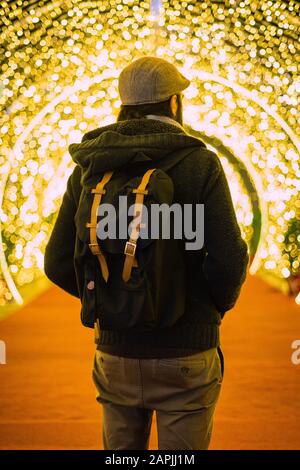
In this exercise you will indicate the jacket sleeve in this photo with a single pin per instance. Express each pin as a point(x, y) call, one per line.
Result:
point(59, 252)
point(226, 260)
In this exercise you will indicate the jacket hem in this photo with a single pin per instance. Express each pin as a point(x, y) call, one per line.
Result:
point(180, 340)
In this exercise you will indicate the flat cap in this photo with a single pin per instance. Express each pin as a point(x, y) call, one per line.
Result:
point(150, 80)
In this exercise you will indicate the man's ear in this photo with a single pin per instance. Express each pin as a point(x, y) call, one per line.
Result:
point(173, 104)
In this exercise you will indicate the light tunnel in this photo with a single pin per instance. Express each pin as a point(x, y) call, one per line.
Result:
point(60, 63)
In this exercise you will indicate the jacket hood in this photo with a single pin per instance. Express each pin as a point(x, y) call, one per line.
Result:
point(126, 142)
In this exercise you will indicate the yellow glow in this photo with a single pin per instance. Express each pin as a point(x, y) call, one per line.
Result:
point(244, 92)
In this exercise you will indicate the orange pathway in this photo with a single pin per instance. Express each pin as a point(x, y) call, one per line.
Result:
point(47, 398)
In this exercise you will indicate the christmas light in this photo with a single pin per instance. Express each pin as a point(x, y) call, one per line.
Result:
point(60, 63)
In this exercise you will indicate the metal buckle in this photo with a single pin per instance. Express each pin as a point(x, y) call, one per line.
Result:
point(130, 248)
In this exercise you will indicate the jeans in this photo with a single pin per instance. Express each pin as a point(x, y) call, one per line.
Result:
point(183, 391)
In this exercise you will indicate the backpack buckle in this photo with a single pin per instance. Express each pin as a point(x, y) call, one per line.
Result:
point(130, 248)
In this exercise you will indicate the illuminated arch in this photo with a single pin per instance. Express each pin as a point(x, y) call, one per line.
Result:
point(88, 50)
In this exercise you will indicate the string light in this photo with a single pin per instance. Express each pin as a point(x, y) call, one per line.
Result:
point(60, 62)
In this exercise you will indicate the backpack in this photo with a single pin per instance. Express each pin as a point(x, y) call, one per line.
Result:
point(129, 282)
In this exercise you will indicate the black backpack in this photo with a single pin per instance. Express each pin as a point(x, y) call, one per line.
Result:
point(130, 282)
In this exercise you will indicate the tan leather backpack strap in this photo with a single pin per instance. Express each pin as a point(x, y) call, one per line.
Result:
point(97, 330)
point(130, 246)
point(92, 225)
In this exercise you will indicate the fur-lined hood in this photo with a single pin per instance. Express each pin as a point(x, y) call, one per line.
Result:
point(110, 147)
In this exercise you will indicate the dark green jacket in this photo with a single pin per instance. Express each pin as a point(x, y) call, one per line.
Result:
point(215, 273)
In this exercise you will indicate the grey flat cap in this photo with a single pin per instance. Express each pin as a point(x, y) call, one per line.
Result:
point(150, 80)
